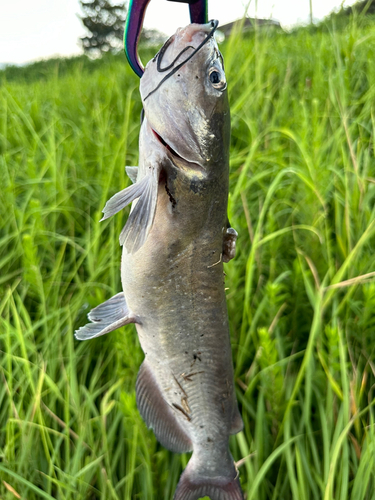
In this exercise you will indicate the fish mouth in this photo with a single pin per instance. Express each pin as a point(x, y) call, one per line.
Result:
point(175, 156)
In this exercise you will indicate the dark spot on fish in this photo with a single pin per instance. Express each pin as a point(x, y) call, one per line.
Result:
point(162, 176)
point(172, 174)
point(171, 199)
point(196, 185)
point(202, 334)
point(197, 77)
point(209, 440)
point(202, 426)
point(186, 352)
point(196, 356)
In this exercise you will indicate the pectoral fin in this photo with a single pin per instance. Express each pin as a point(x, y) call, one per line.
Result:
point(132, 173)
point(106, 317)
point(121, 199)
point(142, 215)
point(157, 414)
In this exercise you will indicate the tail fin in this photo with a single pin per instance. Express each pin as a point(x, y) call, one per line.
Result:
point(194, 484)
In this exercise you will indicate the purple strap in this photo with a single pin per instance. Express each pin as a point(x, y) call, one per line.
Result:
point(134, 23)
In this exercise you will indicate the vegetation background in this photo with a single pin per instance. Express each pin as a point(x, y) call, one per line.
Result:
point(301, 291)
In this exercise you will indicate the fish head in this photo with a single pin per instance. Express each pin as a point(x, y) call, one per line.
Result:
point(184, 95)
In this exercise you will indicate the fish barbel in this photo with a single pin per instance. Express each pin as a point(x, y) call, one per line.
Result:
point(174, 244)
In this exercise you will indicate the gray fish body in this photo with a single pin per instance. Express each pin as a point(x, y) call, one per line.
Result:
point(175, 286)
point(172, 270)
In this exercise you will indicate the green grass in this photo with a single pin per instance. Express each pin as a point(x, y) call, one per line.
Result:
point(301, 291)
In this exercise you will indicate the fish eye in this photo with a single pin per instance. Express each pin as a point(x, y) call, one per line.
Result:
point(217, 79)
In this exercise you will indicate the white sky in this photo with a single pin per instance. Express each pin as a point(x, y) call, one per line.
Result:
point(36, 29)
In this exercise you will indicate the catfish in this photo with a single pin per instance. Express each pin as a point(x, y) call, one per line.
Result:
point(175, 241)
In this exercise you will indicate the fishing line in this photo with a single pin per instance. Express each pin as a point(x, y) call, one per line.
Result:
point(161, 55)
point(174, 70)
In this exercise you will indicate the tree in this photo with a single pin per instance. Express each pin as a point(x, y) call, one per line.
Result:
point(105, 21)
point(366, 7)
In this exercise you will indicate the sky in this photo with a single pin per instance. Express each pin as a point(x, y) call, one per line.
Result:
point(38, 29)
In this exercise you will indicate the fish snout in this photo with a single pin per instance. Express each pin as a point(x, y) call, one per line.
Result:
point(196, 32)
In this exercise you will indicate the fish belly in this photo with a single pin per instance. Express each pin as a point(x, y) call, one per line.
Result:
point(184, 334)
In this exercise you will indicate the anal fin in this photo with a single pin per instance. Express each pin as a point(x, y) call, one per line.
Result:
point(158, 415)
point(106, 317)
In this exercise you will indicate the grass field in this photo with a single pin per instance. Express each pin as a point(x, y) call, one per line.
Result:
point(301, 292)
